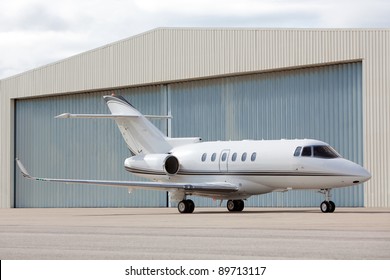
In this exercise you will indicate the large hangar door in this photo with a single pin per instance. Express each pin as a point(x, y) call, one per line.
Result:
point(323, 103)
point(320, 102)
point(89, 149)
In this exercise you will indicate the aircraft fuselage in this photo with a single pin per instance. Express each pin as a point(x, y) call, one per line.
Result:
point(257, 167)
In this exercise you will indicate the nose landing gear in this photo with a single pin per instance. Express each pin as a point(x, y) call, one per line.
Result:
point(327, 206)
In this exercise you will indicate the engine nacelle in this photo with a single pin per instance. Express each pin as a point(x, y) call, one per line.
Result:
point(153, 164)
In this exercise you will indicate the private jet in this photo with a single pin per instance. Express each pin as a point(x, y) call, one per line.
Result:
point(221, 170)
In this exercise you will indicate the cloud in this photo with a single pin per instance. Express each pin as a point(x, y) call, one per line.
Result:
point(271, 13)
point(37, 32)
point(39, 18)
point(230, 13)
point(227, 8)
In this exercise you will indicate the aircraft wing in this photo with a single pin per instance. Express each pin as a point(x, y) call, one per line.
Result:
point(205, 188)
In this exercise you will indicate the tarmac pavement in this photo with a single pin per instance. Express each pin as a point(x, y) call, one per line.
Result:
point(208, 233)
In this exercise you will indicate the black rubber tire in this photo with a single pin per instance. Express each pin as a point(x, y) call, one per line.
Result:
point(240, 205)
point(332, 207)
point(325, 207)
point(182, 206)
point(186, 206)
point(191, 206)
point(231, 205)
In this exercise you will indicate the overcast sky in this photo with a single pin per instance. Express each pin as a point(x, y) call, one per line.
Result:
point(37, 32)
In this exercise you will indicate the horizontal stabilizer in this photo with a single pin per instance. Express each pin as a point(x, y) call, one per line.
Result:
point(106, 116)
point(140, 135)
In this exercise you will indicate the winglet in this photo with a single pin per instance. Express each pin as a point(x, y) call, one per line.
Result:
point(23, 169)
point(62, 116)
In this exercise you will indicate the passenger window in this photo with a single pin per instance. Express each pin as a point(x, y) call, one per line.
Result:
point(243, 157)
point(306, 152)
point(213, 156)
point(224, 156)
point(253, 157)
point(204, 156)
point(234, 157)
point(297, 151)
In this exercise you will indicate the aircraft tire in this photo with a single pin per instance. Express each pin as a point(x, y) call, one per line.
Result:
point(182, 206)
point(191, 206)
point(239, 205)
point(235, 205)
point(332, 207)
point(186, 206)
point(231, 205)
point(325, 207)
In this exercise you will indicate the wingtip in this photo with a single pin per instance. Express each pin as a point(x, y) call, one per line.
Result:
point(23, 170)
point(63, 116)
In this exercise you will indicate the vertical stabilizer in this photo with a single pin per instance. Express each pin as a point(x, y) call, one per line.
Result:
point(140, 135)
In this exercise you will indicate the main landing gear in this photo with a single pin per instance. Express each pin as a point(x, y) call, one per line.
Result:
point(235, 205)
point(186, 206)
point(327, 206)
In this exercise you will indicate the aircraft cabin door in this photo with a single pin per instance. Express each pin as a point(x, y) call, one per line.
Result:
point(224, 160)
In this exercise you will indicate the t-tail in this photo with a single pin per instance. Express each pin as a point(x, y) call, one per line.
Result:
point(140, 135)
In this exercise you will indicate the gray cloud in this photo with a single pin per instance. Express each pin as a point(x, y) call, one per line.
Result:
point(34, 17)
point(37, 32)
point(284, 19)
point(40, 18)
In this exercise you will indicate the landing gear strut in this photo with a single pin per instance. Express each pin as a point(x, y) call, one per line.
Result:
point(327, 206)
point(235, 205)
point(186, 206)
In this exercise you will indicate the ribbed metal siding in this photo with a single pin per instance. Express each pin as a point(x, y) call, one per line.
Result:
point(377, 121)
point(322, 103)
point(176, 54)
point(89, 149)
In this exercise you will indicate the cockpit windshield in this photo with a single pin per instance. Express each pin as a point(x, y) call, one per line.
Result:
point(324, 152)
point(318, 151)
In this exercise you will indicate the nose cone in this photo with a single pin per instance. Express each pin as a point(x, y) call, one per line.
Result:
point(363, 175)
point(350, 173)
point(358, 173)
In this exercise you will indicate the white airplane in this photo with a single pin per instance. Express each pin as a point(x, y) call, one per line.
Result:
point(222, 170)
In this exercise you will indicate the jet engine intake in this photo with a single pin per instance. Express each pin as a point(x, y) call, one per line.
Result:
point(171, 165)
point(157, 164)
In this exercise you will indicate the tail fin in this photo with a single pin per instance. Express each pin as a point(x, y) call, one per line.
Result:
point(140, 135)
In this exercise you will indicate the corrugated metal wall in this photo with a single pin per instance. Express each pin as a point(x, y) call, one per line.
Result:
point(321, 102)
point(168, 54)
point(89, 149)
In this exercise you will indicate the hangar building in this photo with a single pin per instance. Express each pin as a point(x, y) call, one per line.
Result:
point(219, 84)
